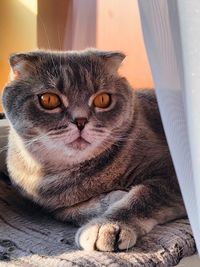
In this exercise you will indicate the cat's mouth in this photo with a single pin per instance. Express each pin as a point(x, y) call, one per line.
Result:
point(80, 143)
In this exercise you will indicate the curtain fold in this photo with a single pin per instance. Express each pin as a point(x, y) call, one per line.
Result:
point(171, 31)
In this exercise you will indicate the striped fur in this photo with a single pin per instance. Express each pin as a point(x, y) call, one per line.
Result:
point(122, 182)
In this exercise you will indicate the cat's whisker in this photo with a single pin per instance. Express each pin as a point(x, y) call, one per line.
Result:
point(128, 245)
point(4, 149)
point(119, 137)
point(49, 45)
point(59, 41)
point(35, 139)
point(51, 78)
point(3, 136)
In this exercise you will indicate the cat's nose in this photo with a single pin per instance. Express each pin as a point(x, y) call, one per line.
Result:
point(80, 122)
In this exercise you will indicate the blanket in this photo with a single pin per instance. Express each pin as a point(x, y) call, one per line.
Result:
point(31, 238)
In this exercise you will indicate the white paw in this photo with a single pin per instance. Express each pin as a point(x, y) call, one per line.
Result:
point(103, 235)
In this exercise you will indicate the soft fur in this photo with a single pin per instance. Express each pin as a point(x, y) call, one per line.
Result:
point(118, 183)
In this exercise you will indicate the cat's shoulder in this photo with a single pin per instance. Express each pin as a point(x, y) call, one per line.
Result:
point(147, 102)
point(148, 106)
point(146, 97)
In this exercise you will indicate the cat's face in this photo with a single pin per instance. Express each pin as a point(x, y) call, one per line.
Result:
point(71, 103)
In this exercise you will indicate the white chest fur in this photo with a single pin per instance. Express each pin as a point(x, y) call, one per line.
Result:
point(24, 169)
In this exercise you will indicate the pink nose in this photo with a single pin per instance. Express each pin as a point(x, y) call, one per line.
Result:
point(80, 122)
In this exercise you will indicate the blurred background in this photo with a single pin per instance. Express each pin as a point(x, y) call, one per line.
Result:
point(73, 25)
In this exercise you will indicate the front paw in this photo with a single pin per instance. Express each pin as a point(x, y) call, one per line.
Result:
point(104, 235)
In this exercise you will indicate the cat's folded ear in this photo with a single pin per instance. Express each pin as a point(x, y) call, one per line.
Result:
point(111, 59)
point(21, 64)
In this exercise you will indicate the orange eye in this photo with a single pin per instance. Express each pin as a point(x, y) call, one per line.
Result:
point(49, 101)
point(102, 101)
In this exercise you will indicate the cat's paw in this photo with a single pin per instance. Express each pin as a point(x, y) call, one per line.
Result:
point(104, 235)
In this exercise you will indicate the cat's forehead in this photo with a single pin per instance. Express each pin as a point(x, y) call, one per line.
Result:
point(77, 72)
point(77, 63)
point(86, 71)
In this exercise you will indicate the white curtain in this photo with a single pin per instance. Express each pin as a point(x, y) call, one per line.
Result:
point(172, 38)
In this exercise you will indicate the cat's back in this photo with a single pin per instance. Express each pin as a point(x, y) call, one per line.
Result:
point(148, 107)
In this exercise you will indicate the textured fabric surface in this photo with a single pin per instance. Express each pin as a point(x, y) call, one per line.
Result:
point(31, 238)
point(3, 143)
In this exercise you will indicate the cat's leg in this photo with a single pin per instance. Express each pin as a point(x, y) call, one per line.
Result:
point(84, 211)
point(145, 206)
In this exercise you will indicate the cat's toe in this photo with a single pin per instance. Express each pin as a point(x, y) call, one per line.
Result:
point(127, 238)
point(106, 237)
point(86, 237)
point(114, 237)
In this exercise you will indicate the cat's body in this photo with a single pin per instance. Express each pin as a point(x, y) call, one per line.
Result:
point(109, 166)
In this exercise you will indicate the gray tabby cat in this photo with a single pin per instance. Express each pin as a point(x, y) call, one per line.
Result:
point(88, 148)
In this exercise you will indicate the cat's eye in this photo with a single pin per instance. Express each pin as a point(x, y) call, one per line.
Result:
point(49, 101)
point(102, 100)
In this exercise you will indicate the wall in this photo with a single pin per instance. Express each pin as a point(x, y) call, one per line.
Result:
point(110, 25)
point(75, 24)
point(51, 23)
point(17, 31)
point(118, 27)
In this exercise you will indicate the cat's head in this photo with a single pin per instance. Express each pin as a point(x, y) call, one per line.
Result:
point(72, 103)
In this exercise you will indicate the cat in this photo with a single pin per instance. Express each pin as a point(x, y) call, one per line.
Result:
point(89, 148)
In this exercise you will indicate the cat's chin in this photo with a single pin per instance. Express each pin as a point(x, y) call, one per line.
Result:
point(79, 144)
